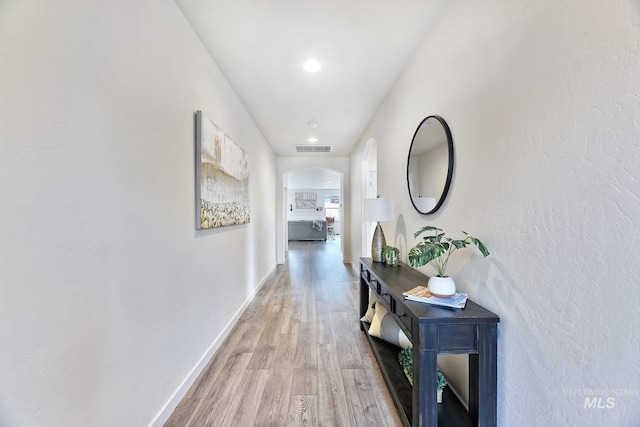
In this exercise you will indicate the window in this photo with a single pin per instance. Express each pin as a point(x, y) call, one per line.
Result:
point(332, 206)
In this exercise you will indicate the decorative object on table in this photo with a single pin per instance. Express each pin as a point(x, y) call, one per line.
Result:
point(391, 255)
point(371, 308)
point(376, 210)
point(423, 294)
point(222, 177)
point(405, 357)
point(384, 327)
point(435, 250)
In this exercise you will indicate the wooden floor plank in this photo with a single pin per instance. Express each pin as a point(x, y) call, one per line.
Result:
point(361, 400)
point(305, 368)
point(351, 381)
point(332, 401)
point(274, 404)
point(216, 403)
point(184, 413)
point(303, 411)
point(265, 350)
point(324, 326)
point(348, 352)
point(243, 408)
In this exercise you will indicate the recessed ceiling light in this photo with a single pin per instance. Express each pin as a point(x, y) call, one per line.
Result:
point(312, 140)
point(312, 66)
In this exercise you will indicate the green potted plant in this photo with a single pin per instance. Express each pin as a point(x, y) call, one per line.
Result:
point(442, 382)
point(405, 357)
point(435, 249)
point(391, 255)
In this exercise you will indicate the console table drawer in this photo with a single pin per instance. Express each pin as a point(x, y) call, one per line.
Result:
point(408, 323)
point(384, 295)
point(404, 315)
point(458, 338)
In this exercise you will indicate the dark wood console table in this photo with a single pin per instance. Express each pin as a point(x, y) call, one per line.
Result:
point(432, 330)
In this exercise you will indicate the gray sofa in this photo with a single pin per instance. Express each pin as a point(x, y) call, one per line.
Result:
point(304, 230)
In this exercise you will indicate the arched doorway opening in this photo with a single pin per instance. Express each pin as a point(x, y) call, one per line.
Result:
point(314, 193)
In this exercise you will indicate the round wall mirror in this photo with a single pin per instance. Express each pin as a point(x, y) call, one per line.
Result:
point(430, 165)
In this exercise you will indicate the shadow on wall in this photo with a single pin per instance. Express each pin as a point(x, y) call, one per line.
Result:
point(528, 343)
point(400, 241)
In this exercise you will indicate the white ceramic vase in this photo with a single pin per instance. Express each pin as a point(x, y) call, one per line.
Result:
point(442, 286)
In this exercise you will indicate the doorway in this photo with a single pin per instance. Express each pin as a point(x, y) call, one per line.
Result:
point(313, 194)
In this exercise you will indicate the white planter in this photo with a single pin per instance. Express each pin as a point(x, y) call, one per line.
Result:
point(442, 286)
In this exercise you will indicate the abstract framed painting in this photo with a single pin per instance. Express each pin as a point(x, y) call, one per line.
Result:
point(306, 200)
point(222, 177)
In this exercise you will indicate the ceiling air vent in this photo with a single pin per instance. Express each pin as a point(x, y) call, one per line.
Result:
point(313, 148)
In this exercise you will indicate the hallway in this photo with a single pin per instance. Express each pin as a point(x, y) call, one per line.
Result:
point(296, 357)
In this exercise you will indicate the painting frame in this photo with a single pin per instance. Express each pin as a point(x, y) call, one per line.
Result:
point(221, 177)
point(306, 200)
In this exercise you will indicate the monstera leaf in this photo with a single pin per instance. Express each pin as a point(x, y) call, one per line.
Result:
point(436, 248)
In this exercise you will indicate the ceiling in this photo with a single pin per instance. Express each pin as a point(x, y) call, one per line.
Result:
point(261, 46)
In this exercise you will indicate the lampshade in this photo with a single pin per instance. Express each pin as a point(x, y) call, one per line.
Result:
point(379, 209)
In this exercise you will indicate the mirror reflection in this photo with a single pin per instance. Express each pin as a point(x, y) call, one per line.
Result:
point(430, 165)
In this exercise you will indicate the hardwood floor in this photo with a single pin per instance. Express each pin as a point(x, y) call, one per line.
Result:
point(296, 357)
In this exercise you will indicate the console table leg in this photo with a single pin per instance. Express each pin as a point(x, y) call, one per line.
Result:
point(483, 378)
point(425, 401)
point(364, 299)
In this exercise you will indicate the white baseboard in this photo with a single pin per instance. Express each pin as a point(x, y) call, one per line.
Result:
point(356, 269)
point(165, 412)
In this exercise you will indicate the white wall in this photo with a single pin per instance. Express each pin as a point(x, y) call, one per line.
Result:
point(109, 297)
point(543, 100)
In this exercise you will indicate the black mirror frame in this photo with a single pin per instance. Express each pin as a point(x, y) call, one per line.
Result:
point(447, 183)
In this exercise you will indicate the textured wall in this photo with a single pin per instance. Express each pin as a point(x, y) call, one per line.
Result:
point(543, 100)
point(108, 295)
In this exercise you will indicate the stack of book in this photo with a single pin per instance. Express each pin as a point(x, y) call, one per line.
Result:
point(422, 294)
